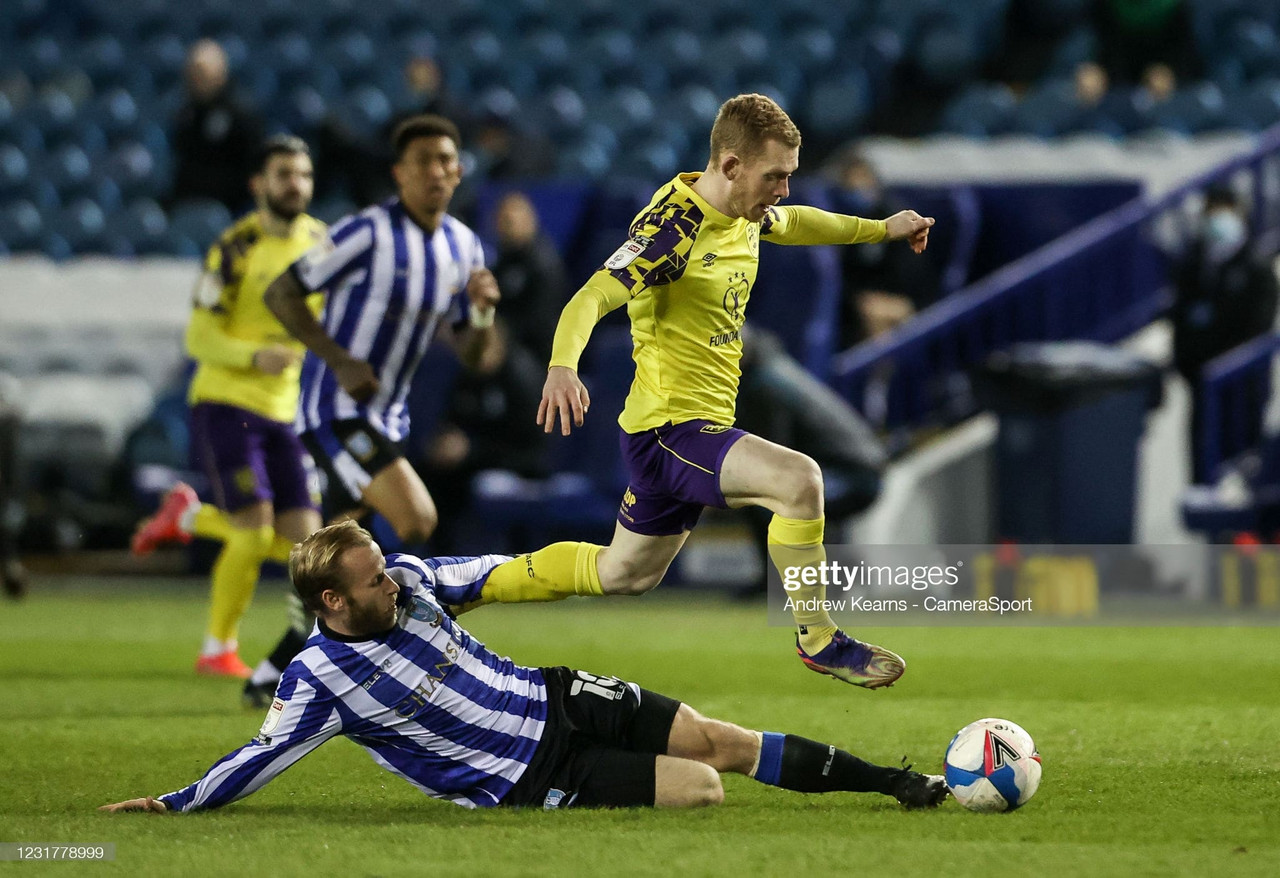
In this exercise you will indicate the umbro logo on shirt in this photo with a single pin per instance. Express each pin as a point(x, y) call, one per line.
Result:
point(708, 259)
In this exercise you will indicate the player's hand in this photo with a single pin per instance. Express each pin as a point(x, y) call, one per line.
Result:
point(909, 225)
point(356, 378)
point(565, 395)
point(482, 290)
point(274, 359)
point(147, 803)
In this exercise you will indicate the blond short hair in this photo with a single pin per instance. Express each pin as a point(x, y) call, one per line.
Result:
point(314, 562)
point(746, 122)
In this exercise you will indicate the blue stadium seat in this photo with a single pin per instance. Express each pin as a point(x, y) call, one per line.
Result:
point(144, 225)
point(653, 160)
point(561, 110)
point(627, 111)
point(613, 53)
point(302, 110)
point(363, 112)
point(15, 171)
point(103, 60)
point(1048, 111)
point(1192, 110)
point(352, 56)
point(947, 56)
point(737, 49)
point(1128, 109)
point(116, 113)
point(837, 108)
point(980, 111)
point(68, 168)
point(135, 170)
point(41, 58)
point(1255, 107)
point(83, 225)
point(692, 106)
point(811, 49)
point(54, 113)
point(21, 225)
point(199, 221)
point(166, 53)
point(1254, 45)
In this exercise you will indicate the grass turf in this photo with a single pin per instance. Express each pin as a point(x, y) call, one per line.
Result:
point(1159, 748)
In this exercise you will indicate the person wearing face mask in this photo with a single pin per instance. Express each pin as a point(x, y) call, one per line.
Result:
point(881, 286)
point(1225, 294)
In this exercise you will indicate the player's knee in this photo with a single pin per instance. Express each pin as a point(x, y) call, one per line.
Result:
point(801, 487)
point(419, 528)
point(704, 787)
point(626, 576)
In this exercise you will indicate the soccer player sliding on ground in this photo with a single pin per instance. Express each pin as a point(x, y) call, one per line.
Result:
point(390, 668)
point(686, 276)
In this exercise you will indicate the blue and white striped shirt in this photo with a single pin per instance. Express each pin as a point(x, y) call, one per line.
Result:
point(427, 700)
point(389, 285)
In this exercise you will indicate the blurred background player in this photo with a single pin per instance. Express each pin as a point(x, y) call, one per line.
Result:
point(560, 739)
point(397, 273)
point(243, 398)
point(686, 276)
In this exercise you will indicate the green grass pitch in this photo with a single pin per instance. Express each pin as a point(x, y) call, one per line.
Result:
point(1161, 748)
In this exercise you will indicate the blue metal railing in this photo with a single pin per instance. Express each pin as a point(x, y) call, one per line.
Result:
point(1234, 388)
point(1103, 281)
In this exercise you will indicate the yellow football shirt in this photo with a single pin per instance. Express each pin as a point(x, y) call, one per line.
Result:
point(230, 321)
point(686, 276)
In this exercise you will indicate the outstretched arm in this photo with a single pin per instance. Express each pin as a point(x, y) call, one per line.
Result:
point(801, 224)
point(564, 394)
point(147, 803)
point(296, 724)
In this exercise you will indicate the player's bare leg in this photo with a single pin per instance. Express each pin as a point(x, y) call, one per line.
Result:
point(635, 563)
point(399, 496)
point(757, 472)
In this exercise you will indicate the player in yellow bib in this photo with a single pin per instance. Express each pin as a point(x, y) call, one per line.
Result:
point(243, 399)
point(686, 277)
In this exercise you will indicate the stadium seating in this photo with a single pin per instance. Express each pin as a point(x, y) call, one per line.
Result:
point(94, 75)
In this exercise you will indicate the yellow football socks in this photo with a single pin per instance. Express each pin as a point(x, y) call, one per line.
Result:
point(556, 572)
point(797, 542)
point(235, 575)
point(280, 548)
point(210, 522)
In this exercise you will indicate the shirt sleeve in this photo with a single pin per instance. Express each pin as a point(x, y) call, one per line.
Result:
point(460, 305)
point(602, 293)
point(215, 294)
point(453, 580)
point(299, 721)
point(800, 224)
point(346, 247)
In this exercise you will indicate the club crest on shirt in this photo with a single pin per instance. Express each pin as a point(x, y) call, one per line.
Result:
point(424, 612)
point(627, 253)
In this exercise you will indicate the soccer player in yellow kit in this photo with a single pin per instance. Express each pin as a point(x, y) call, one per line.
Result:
point(243, 398)
point(686, 277)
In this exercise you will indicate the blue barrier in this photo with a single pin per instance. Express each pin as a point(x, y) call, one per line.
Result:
point(1234, 388)
point(1102, 282)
